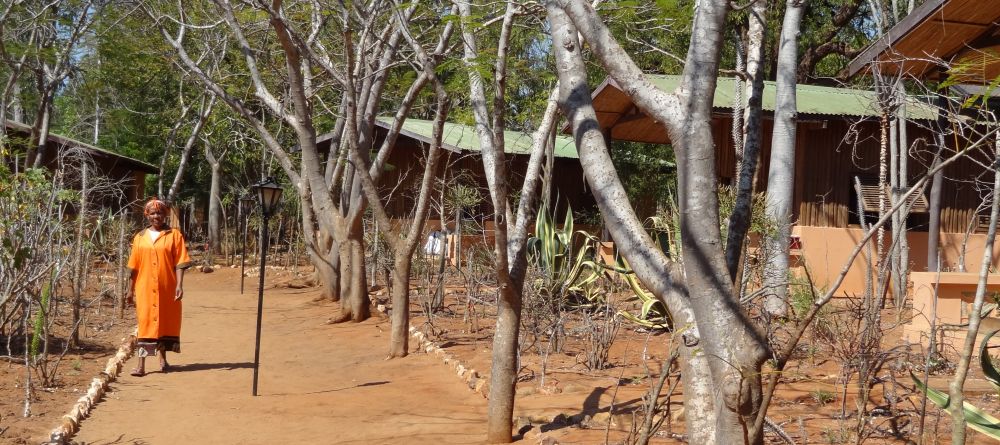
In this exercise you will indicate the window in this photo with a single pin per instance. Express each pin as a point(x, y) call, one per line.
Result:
point(916, 203)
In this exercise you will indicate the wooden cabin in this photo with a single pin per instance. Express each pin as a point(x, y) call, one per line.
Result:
point(462, 164)
point(129, 174)
point(956, 40)
point(838, 140)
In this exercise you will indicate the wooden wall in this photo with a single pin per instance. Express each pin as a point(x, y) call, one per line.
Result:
point(832, 152)
point(400, 184)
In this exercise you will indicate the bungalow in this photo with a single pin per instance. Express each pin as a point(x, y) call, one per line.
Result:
point(837, 140)
point(462, 165)
point(955, 40)
point(130, 173)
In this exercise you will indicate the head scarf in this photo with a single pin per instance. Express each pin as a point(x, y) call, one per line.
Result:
point(154, 205)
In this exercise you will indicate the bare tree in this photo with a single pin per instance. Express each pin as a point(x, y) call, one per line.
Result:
point(722, 350)
point(749, 152)
point(207, 104)
point(510, 230)
point(9, 97)
point(354, 49)
point(781, 175)
point(49, 58)
point(955, 387)
point(404, 240)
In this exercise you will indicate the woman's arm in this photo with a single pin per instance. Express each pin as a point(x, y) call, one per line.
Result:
point(179, 292)
point(130, 292)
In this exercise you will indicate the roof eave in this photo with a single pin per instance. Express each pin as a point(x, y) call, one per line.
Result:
point(891, 38)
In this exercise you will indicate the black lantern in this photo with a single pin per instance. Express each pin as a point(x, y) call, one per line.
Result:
point(268, 195)
point(247, 201)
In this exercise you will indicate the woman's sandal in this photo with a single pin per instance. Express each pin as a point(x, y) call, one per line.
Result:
point(138, 373)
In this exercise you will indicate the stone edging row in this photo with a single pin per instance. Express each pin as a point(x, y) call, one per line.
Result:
point(472, 379)
point(70, 422)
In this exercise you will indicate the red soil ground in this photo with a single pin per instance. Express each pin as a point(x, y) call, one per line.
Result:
point(326, 383)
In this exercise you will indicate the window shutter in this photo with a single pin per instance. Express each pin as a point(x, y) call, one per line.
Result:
point(916, 202)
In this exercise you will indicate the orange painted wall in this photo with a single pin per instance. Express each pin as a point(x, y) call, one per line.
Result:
point(825, 251)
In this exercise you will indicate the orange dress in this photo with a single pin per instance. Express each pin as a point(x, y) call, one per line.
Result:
point(154, 265)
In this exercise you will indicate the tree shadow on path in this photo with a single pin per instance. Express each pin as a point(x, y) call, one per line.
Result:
point(383, 382)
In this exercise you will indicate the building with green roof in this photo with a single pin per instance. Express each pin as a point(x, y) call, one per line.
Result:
point(462, 165)
point(838, 143)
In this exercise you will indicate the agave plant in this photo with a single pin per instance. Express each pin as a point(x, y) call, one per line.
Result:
point(652, 313)
point(564, 257)
point(976, 418)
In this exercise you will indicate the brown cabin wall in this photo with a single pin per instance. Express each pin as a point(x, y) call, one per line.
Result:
point(400, 185)
point(830, 157)
point(112, 171)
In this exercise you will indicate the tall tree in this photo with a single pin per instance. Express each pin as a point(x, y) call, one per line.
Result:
point(701, 295)
point(355, 49)
point(57, 28)
point(215, 163)
point(781, 175)
point(510, 229)
point(751, 130)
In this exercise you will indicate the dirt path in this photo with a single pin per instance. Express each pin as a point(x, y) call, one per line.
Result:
point(318, 383)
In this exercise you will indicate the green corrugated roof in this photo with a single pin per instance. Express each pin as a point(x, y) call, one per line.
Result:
point(458, 137)
point(810, 99)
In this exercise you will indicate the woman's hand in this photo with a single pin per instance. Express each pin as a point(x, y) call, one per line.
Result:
point(130, 296)
point(178, 294)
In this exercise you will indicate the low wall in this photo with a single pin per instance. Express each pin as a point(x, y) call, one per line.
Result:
point(825, 251)
point(955, 290)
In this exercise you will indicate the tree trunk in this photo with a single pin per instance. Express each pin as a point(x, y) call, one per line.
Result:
point(400, 335)
point(699, 405)
point(503, 371)
point(739, 221)
point(215, 201)
point(934, 211)
point(79, 276)
point(40, 131)
point(934, 200)
point(898, 224)
point(781, 176)
point(329, 271)
point(323, 251)
point(360, 301)
point(903, 183)
point(346, 293)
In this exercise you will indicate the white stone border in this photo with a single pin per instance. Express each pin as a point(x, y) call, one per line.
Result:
point(475, 382)
point(70, 423)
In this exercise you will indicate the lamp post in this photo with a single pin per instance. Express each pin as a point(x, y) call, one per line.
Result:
point(268, 196)
point(246, 203)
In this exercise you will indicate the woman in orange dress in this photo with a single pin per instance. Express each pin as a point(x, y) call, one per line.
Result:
point(156, 287)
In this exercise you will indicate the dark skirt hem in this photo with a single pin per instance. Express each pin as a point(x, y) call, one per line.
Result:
point(147, 347)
